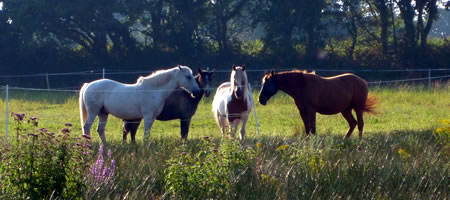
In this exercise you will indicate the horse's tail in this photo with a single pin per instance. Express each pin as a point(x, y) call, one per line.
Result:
point(83, 112)
point(371, 104)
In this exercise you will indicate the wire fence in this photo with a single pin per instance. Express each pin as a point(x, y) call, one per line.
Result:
point(426, 76)
point(47, 81)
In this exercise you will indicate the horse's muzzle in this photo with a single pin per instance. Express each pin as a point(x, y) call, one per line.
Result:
point(197, 93)
point(238, 93)
point(262, 100)
point(207, 93)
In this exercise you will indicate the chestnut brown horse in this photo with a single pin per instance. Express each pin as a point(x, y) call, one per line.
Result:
point(325, 95)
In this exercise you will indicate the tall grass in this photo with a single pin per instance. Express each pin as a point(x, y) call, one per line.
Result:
point(404, 154)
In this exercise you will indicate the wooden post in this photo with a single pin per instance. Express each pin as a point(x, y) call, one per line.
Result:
point(7, 112)
point(429, 78)
point(48, 82)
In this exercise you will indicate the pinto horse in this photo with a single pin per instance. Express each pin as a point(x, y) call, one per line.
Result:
point(325, 95)
point(179, 105)
point(144, 99)
point(233, 102)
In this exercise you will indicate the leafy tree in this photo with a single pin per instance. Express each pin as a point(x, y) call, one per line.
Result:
point(225, 20)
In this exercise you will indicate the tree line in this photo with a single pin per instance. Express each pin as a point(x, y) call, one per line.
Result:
point(74, 35)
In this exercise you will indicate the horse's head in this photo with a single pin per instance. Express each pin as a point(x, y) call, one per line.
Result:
point(268, 87)
point(238, 81)
point(186, 80)
point(204, 80)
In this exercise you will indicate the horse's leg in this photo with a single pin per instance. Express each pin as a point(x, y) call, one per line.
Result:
point(359, 117)
point(312, 121)
point(305, 119)
point(244, 122)
point(102, 119)
point(87, 126)
point(234, 127)
point(351, 121)
point(220, 121)
point(125, 130)
point(133, 130)
point(148, 122)
point(184, 123)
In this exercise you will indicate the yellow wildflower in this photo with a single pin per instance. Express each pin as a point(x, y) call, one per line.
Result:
point(258, 145)
point(283, 147)
point(403, 153)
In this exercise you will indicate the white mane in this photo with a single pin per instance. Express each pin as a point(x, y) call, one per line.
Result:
point(161, 76)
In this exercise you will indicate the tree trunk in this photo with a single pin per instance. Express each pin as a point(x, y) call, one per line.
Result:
point(432, 16)
point(383, 12)
point(156, 14)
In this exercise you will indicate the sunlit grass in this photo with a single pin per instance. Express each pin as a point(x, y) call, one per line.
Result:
point(400, 157)
point(402, 107)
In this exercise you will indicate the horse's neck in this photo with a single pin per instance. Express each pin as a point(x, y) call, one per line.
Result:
point(289, 83)
point(164, 82)
point(198, 97)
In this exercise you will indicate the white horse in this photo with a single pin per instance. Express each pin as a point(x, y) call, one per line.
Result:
point(144, 99)
point(233, 102)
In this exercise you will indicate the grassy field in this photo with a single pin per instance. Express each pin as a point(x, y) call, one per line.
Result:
point(400, 157)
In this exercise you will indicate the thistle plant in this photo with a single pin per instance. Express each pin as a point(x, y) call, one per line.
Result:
point(42, 164)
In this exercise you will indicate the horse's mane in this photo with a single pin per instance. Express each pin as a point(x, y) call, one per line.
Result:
point(292, 72)
point(299, 71)
point(158, 76)
point(244, 74)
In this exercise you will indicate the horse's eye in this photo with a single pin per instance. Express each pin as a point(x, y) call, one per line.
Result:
point(188, 77)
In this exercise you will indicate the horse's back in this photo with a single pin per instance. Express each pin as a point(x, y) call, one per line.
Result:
point(347, 81)
point(334, 94)
point(99, 89)
point(178, 105)
point(120, 100)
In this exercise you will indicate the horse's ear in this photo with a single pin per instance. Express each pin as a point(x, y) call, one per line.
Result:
point(234, 67)
point(272, 73)
point(179, 67)
point(243, 67)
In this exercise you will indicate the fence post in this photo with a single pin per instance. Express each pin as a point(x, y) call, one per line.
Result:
point(429, 78)
point(254, 111)
point(103, 73)
point(7, 114)
point(48, 82)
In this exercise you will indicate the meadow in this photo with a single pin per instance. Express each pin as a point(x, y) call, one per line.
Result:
point(404, 153)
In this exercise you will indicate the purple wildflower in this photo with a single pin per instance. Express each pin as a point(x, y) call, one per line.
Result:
point(65, 130)
point(67, 124)
point(44, 130)
point(100, 172)
point(32, 134)
point(18, 116)
point(109, 153)
point(87, 136)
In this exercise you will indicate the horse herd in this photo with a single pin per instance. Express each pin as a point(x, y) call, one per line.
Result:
point(175, 94)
